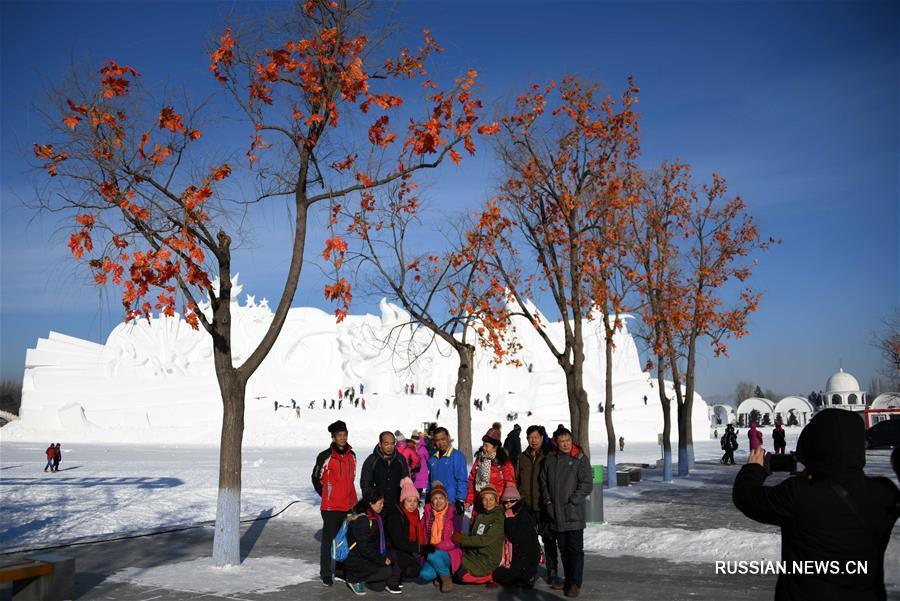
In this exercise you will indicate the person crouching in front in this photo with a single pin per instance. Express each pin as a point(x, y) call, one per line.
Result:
point(440, 525)
point(483, 547)
point(406, 536)
point(367, 563)
point(521, 550)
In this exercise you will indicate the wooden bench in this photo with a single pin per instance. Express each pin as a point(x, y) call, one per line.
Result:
point(40, 578)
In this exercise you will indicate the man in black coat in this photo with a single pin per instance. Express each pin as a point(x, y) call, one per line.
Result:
point(831, 512)
point(566, 480)
point(384, 469)
point(513, 443)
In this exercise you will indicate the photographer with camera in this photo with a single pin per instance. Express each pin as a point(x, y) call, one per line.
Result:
point(829, 512)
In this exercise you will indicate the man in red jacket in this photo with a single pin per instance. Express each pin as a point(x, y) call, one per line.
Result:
point(333, 478)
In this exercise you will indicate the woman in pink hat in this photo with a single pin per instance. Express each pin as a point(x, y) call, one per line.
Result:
point(405, 535)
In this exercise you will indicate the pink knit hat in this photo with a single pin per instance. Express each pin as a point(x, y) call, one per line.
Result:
point(407, 489)
point(510, 493)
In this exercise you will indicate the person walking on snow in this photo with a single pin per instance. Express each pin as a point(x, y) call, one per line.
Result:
point(57, 457)
point(333, 478)
point(50, 452)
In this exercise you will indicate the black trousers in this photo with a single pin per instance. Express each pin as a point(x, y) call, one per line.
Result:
point(571, 547)
point(728, 458)
point(548, 538)
point(378, 580)
point(331, 523)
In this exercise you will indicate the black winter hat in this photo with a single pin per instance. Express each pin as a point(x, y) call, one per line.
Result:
point(833, 442)
point(336, 427)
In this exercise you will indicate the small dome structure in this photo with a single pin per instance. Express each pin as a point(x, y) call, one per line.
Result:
point(887, 400)
point(841, 381)
point(842, 391)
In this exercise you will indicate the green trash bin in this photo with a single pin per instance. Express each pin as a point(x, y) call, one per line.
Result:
point(595, 501)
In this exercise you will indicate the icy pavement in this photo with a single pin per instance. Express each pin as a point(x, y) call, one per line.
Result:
point(660, 542)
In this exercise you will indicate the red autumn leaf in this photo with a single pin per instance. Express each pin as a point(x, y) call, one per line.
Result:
point(169, 119)
point(71, 122)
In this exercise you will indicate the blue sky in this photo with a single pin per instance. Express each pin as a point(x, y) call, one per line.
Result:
point(796, 104)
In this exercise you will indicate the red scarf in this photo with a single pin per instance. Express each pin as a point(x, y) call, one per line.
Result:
point(413, 517)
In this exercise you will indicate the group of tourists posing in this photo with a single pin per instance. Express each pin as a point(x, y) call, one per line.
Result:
point(510, 505)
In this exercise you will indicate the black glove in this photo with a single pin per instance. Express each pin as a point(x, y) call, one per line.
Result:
point(426, 549)
point(460, 507)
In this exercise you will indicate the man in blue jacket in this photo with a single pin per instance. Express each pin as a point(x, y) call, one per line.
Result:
point(448, 466)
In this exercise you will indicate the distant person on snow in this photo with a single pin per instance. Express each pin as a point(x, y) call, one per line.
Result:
point(333, 476)
point(831, 511)
point(50, 452)
point(384, 469)
point(57, 457)
point(729, 443)
point(621, 443)
point(778, 439)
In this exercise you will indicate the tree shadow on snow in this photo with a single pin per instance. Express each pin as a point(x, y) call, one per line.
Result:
point(9, 467)
point(252, 534)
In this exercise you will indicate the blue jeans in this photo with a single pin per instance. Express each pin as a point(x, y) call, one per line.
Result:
point(49, 464)
point(436, 564)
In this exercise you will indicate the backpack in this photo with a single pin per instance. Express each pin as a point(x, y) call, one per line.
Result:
point(340, 546)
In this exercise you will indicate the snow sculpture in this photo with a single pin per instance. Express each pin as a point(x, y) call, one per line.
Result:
point(154, 381)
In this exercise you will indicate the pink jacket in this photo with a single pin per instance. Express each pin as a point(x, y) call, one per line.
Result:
point(412, 459)
point(755, 437)
point(421, 480)
point(446, 543)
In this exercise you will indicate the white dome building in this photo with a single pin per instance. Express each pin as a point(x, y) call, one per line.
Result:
point(794, 411)
point(755, 409)
point(842, 391)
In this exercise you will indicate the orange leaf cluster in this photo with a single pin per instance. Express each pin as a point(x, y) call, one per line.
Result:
point(114, 80)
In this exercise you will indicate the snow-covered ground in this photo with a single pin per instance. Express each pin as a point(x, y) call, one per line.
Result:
point(110, 488)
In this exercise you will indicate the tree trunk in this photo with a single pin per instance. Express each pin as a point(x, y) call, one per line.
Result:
point(227, 537)
point(667, 420)
point(464, 374)
point(608, 410)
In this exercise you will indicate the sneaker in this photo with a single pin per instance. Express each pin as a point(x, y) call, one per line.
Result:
point(327, 581)
point(358, 588)
point(394, 589)
point(572, 591)
point(557, 584)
